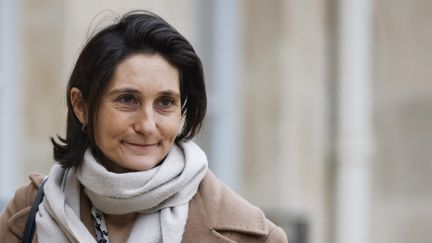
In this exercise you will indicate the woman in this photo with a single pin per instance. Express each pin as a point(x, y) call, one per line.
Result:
point(127, 170)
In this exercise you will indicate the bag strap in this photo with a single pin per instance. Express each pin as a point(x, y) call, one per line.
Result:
point(30, 225)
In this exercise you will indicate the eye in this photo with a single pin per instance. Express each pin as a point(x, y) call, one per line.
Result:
point(166, 102)
point(127, 99)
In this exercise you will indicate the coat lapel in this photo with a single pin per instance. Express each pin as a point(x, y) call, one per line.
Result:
point(216, 209)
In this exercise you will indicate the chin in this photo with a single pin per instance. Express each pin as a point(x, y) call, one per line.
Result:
point(142, 165)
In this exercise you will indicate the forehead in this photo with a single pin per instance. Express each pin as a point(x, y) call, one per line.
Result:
point(147, 72)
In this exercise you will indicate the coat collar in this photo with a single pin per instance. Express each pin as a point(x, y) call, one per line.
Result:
point(22, 204)
point(216, 208)
point(228, 211)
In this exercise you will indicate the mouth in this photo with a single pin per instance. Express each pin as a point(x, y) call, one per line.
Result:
point(138, 148)
point(142, 145)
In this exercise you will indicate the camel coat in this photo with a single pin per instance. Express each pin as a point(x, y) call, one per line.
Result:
point(216, 215)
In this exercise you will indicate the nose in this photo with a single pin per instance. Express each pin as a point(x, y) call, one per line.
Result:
point(145, 122)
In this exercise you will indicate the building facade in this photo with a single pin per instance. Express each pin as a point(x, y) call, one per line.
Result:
point(320, 112)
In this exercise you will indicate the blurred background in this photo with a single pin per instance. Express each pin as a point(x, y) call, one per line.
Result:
point(320, 112)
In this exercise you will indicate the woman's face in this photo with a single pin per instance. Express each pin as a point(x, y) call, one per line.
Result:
point(139, 114)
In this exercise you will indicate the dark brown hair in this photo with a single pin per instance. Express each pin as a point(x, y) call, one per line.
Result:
point(136, 32)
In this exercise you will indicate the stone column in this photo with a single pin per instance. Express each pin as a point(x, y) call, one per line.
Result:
point(286, 139)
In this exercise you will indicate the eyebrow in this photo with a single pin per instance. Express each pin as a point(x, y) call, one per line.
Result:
point(123, 90)
point(137, 92)
point(170, 93)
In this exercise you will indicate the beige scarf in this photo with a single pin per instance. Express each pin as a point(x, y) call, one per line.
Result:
point(161, 196)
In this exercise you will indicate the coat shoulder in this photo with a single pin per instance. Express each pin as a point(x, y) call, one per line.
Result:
point(277, 235)
point(14, 216)
point(233, 216)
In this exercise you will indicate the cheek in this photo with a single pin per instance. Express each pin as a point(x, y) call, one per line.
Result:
point(109, 125)
point(171, 126)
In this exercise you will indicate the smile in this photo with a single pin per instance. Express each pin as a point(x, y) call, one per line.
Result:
point(140, 149)
point(141, 145)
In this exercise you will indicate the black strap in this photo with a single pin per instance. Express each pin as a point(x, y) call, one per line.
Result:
point(30, 225)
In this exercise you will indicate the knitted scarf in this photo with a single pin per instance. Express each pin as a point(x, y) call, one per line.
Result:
point(161, 196)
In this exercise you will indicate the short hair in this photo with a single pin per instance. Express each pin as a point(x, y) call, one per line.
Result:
point(135, 32)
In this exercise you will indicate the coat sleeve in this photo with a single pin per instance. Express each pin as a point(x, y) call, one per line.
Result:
point(14, 216)
point(276, 235)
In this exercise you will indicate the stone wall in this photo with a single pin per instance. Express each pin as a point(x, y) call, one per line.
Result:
point(402, 184)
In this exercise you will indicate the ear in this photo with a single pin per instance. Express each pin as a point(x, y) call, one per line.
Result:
point(78, 104)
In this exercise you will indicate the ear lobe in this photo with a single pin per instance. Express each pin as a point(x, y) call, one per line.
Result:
point(78, 104)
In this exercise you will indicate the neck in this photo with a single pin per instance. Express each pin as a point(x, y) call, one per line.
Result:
point(120, 226)
point(121, 219)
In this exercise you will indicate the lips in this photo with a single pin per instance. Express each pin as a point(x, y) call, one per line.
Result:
point(139, 148)
point(141, 144)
